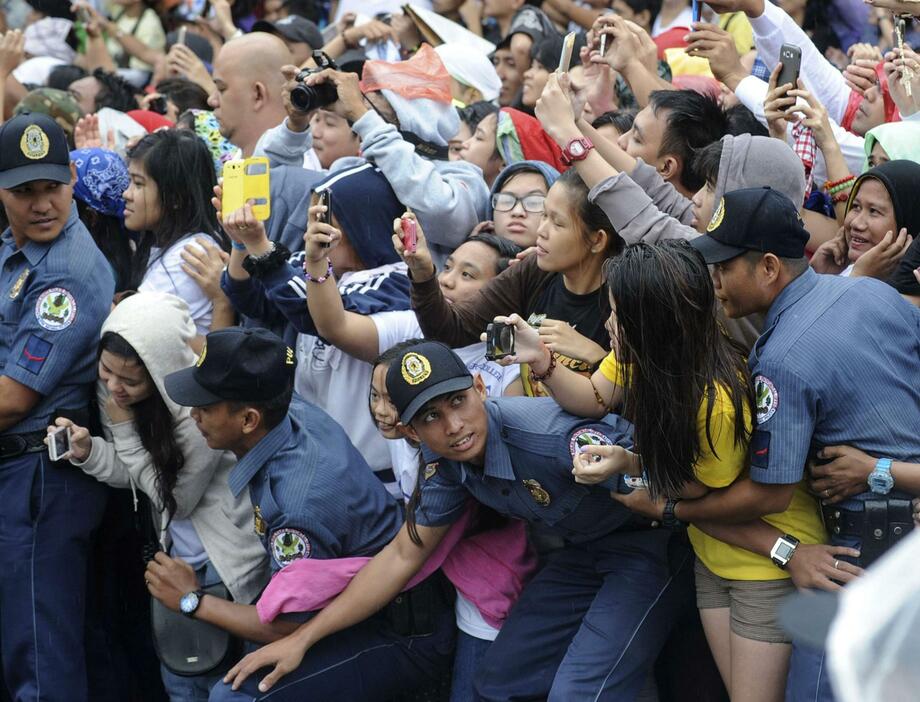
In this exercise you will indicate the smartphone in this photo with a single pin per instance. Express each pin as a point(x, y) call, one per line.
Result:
point(180, 35)
point(603, 47)
point(325, 199)
point(696, 10)
point(244, 180)
point(499, 341)
point(158, 105)
point(627, 483)
point(59, 443)
point(83, 15)
point(409, 234)
point(565, 59)
point(790, 56)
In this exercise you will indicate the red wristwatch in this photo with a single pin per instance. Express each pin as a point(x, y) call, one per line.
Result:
point(576, 150)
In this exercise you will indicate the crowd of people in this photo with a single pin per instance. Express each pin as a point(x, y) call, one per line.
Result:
point(455, 350)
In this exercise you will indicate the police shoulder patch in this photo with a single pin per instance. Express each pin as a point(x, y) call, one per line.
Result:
point(55, 309)
point(587, 437)
point(289, 545)
point(766, 398)
point(34, 354)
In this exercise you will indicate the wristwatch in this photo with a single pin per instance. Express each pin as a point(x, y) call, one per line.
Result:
point(783, 550)
point(189, 603)
point(669, 520)
point(576, 150)
point(880, 480)
point(257, 266)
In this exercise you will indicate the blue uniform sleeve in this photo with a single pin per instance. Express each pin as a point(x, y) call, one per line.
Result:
point(61, 318)
point(787, 408)
point(443, 498)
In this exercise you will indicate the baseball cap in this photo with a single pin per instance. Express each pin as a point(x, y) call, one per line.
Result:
point(236, 364)
point(33, 147)
point(753, 219)
point(293, 28)
point(426, 371)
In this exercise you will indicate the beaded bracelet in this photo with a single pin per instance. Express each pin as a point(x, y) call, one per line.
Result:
point(837, 185)
point(323, 278)
point(840, 197)
point(845, 187)
point(549, 371)
point(238, 245)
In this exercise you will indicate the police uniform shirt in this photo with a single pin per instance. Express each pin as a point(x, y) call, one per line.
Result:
point(527, 472)
point(837, 364)
point(313, 494)
point(54, 297)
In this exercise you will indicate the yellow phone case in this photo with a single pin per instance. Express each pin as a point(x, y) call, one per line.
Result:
point(247, 179)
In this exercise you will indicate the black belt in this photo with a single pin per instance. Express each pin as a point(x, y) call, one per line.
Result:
point(16, 445)
point(879, 526)
point(415, 611)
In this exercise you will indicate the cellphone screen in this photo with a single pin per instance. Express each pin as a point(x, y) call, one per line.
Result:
point(60, 444)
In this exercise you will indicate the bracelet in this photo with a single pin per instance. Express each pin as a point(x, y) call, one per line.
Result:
point(840, 197)
point(597, 395)
point(239, 246)
point(323, 278)
point(833, 186)
point(549, 371)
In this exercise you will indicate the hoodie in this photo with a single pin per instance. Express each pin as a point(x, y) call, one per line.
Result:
point(158, 327)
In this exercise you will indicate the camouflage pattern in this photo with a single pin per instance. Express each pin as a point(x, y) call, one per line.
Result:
point(57, 104)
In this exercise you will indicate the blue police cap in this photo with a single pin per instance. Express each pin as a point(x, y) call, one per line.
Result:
point(424, 372)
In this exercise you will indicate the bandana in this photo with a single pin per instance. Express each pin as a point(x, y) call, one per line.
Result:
point(208, 130)
point(102, 177)
point(519, 137)
point(891, 110)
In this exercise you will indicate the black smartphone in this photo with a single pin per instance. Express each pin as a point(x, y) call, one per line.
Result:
point(158, 105)
point(790, 56)
point(499, 341)
point(325, 199)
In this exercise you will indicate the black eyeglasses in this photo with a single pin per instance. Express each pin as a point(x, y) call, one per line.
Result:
point(505, 202)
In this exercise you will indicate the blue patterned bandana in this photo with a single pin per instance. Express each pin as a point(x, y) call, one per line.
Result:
point(102, 177)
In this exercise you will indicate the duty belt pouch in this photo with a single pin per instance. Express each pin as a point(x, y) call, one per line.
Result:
point(886, 522)
point(187, 646)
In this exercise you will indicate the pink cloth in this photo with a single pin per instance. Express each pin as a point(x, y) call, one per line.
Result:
point(489, 568)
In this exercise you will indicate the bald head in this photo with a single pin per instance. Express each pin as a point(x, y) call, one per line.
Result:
point(247, 73)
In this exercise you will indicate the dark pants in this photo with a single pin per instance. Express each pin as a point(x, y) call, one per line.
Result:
point(48, 514)
point(590, 624)
point(367, 662)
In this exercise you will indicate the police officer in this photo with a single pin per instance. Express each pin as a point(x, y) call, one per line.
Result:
point(836, 364)
point(55, 291)
point(313, 496)
point(592, 621)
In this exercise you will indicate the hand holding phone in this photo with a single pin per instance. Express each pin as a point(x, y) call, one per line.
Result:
point(790, 56)
point(325, 199)
point(247, 180)
point(59, 443)
point(499, 341)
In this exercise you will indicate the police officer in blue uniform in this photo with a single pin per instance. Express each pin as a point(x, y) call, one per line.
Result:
point(592, 621)
point(55, 291)
point(313, 496)
point(837, 363)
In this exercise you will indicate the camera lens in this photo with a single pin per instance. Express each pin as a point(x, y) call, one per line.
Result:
point(312, 97)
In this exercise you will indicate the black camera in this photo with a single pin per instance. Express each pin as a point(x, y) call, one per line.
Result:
point(311, 97)
point(499, 341)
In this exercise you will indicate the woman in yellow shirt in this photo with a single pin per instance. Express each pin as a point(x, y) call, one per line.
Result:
point(686, 388)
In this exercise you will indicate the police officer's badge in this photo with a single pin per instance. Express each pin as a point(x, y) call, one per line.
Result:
point(17, 286)
point(766, 398)
point(258, 522)
point(537, 492)
point(415, 368)
point(430, 470)
point(289, 545)
point(34, 143)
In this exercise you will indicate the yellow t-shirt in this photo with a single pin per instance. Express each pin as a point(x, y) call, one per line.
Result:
point(802, 519)
point(738, 26)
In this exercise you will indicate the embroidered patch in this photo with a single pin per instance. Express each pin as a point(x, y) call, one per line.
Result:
point(586, 437)
point(289, 545)
point(430, 470)
point(760, 449)
point(717, 216)
point(258, 523)
point(17, 286)
point(766, 397)
point(288, 356)
point(537, 492)
point(34, 143)
point(204, 352)
point(55, 309)
point(415, 368)
point(34, 354)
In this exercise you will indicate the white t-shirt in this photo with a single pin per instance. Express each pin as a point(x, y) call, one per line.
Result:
point(394, 327)
point(166, 276)
point(684, 19)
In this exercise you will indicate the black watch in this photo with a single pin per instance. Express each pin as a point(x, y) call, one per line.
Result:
point(258, 266)
point(669, 520)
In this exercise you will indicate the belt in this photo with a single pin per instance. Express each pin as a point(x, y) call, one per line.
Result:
point(415, 612)
point(881, 524)
point(16, 445)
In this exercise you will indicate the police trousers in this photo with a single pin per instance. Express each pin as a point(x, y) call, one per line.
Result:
point(48, 513)
point(591, 623)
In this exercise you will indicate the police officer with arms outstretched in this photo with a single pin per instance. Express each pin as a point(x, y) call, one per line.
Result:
point(592, 621)
point(55, 291)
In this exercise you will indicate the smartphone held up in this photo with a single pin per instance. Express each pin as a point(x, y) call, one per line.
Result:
point(409, 234)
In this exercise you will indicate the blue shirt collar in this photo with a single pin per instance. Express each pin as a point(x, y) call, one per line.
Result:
point(33, 251)
point(250, 464)
point(791, 294)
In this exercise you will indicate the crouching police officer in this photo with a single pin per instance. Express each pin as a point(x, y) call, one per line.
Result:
point(836, 364)
point(590, 624)
point(55, 291)
point(313, 496)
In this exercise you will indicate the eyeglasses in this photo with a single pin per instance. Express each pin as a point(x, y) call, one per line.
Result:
point(505, 202)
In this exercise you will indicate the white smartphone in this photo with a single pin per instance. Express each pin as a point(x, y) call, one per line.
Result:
point(59, 443)
point(568, 46)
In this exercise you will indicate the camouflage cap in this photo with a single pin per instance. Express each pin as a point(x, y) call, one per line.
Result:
point(57, 104)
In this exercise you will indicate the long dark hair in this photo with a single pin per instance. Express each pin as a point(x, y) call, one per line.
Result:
point(112, 240)
point(669, 337)
point(154, 423)
point(183, 169)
